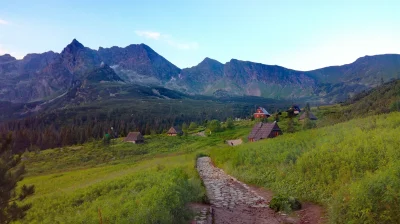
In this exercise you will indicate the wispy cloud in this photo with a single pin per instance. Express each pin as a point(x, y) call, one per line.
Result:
point(4, 22)
point(148, 34)
point(168, 39)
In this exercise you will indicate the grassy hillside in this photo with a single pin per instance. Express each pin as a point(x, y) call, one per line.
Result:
point(382, 99)
point(126, 183)
point(351, 168)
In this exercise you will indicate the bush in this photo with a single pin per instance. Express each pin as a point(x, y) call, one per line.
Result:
point(214, 126)
point(192, 126)
point(284, 203)
point(229, 123)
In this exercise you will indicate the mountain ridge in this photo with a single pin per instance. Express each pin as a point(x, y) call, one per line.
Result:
point(40, 76)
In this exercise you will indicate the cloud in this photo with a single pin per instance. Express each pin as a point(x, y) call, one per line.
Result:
point(168, 39)
point(148, 34)
point(4, 22)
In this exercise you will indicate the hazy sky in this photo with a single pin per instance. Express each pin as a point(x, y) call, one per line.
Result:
point(301, 35)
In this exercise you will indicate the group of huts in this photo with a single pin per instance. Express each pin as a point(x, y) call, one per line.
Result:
point(261, 130)
point(137, 137)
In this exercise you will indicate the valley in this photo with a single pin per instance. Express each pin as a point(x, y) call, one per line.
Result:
point(200, 112)
point(332, 166)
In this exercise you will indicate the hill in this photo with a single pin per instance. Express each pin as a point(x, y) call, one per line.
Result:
point(351, 168)
point(382, 99)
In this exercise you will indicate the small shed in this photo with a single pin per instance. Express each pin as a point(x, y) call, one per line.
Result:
point(174, 131)
point(263, 131)
point(311, 116)
point(134, 137)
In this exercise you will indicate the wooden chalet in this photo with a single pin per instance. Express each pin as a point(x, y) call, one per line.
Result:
point(174, 131)
point(311, 116)
point(134, 137)
point(263, 131)
point(261, 113)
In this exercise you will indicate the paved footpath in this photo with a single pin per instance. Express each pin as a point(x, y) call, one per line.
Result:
point(231, 200)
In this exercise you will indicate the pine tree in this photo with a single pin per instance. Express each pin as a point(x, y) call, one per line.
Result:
point(184, 127)
point(290, 127)
point(11, 171)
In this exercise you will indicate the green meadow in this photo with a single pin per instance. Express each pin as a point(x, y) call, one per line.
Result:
point(349, 168)
point(120, 182)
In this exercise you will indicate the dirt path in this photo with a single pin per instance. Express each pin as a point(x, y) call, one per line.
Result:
point(231, 200)
point(235, 202)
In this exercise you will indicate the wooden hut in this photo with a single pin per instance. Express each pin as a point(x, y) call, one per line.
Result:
point(311, 116)
point(263, 131)
point(174, 131)
point(134, 137)
point(261, 113)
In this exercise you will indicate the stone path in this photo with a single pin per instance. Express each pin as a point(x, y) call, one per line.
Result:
point(231, 200)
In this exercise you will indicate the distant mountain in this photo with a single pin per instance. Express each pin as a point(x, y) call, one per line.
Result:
point(246, 78)
point(326, 85)
point(48, 75)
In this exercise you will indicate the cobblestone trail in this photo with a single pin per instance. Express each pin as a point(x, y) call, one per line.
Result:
point(231, 200)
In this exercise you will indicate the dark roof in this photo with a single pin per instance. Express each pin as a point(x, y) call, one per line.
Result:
point(310, 115)
point(174, 130)
point(134, 136)
point(263, 130)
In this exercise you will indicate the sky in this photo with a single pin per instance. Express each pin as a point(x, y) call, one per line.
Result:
point(301, 35)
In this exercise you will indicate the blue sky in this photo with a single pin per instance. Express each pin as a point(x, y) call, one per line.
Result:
point(301, 35)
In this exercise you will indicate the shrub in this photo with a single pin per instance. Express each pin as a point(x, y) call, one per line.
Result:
point(192, 125)
point(214, 126)
point(284, 203)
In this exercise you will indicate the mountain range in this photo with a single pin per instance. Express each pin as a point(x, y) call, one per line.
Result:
point(49, 75)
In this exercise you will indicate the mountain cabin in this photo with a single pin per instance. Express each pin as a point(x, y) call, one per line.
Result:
point(174, 131)
point(134, 137)
point(311, 116)
point(261, 113)
point(264, 130)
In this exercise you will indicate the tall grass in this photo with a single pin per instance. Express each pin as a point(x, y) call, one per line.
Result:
point(152, 191)
point(352, 168)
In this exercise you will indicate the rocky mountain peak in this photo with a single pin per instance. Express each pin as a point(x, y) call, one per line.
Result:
point(6, 58)
point(210, 61)
point(73, 47)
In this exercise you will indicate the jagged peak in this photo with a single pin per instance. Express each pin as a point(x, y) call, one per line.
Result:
point(75, 42)
point(7, 58)
point(209, 61)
